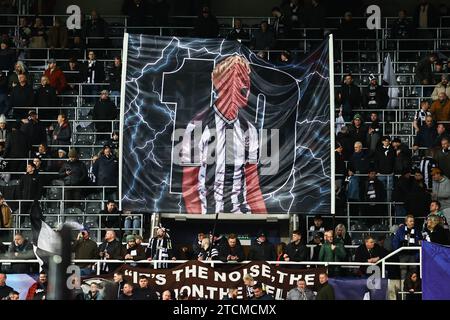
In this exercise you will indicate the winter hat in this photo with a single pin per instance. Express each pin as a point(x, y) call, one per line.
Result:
point(357, 116)
point(130, 238)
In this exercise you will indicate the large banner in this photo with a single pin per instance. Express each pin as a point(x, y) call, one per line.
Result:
point(210, 127)
point(201, 281)
point(435, 271)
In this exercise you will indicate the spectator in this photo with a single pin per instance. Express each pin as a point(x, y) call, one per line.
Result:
point(281, 24)
point(441, 188)
point(110, 249)
point(93, 293)
point(348, 29)
point(56, 165)
point(20, 249)
point(45, 97)
point(127, 292)
point(106, 168)
point(295, 13)
point(207, 252)
point(407, 235)
point(260, 294)
point(206, 25)
point(96, 28)
point(374, 133)
point(402, 28)
point(160, 248)
point(104, 109)
point(167, 295)
point(426, 165)
point(332, 250)
point(4, 103)
point(136, 10)
point(438, 71)
point(301, 292)
point(316, 15)
point(384, 163)
point(5, 213)
point(197, 245)
point(4, 289)
point(426, 136)
point(442, 157)
point(73, 173)
point(263, 39)
point(374, 96)
point(280, 250)
point(58, 35)
point(249, 282)
point(261, 250)
point(413, 286)
point(341, 234)
point(441, 134)
point(115, 77)
point(145, 291)
point(238, 33)
point(358, 164)
point(442, 86)
point(13, 78)
point(373, 191)
point(73, 76)
point(349, 96)
point(17, 146)
point(296, 251)
point(38, 34)
point(33, 129)
point(424, 73)
point(232, 250)
point(38, 291)
point(358, 131)
point(440, 109)
point(22, 95)
point(94, 72)
point(7, 56)
point(326, 291)
point(346, 141)
point(421, 115)
point(434, 232)
point(111, 212)
point(119, 282)
point(425, 15)
point(369, 252)
point(56, 76)
point(13, 295)
point(317, 226)
point(233, 293)
point(435, 209)
point(85, 249)
point(61, 132)
point(402, 160)
point(134, 251)
point(30, 186)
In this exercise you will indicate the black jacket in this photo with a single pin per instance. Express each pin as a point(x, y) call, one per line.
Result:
point(380, 193)
point(206, 27)
point(35, 132)
point(439, 235)
point(359, 162)
point(106, 171)
point(350, 97)
point(115, 77)
point(377, 94)
point(22, 96)
point(146, 294)
point(78, 173)
point(402, 188)
point(17, 145)
point(46, 97)
point(358, 134)
point(362, 255)
point(30, 186)
point(95, 71)
point(417, 201)
point(7, 59)
point(423, 70)
point(262, 252)
point(225, 250)
point(114, 249)
point(426, 137)
point(63, 134)
point(384, 160)
point(297, 252)
point(346, 142)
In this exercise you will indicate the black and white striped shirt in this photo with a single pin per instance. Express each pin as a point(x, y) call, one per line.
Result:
point(425, 166)
point(221, 150)
point(420, 117)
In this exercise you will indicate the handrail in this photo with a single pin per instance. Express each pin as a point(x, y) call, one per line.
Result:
point(393, 253)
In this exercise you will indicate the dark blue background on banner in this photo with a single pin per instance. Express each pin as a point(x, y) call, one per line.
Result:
point(168, 82)
point(435, 272)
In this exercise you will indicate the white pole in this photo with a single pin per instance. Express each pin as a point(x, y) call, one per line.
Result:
point(332, 121)
point(122, 112)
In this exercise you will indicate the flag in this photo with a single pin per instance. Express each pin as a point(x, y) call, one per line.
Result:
point(46, 241)
point(435, 271)
point(357, 289)
point(390, 79)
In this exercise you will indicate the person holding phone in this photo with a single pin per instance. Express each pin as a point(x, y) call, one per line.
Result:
point(85, 248)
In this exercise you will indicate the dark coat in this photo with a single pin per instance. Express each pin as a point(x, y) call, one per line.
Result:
point(381, 97)
point(426, 137)
point(262, 252)
point(225, 250)
point(206, 27)
point(358, 134)
point(97, 69)
point(115, 78)
point(297, 252)
point(46, 97)
point(346, 142)
point(35, 132)
point(104, 110)
point(63, 134)
point(417, 201)
point(22, 96)
point(326, 292)
point(30, 186)
point(402, 188)
point(85, 249)
point(17, 145)
point(78, 173)
point(114, 249)
point(146, 294)
point(424, 71)
point(362, 254)
point(106, 171)
point(384, 160)
point(350, 98)
point(359, 162)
